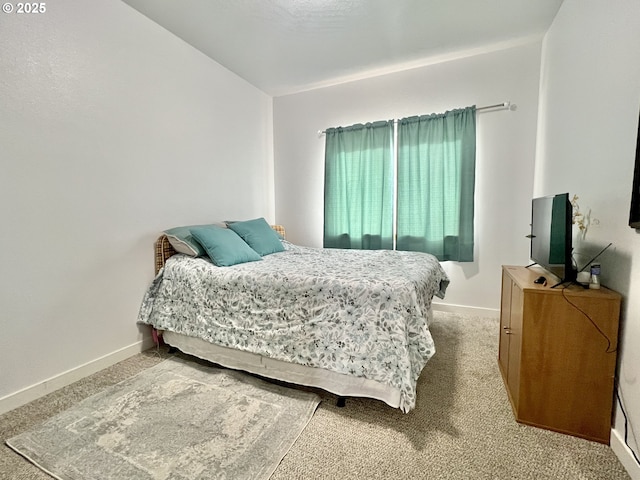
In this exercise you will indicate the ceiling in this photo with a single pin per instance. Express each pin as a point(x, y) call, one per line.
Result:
point(288, 46)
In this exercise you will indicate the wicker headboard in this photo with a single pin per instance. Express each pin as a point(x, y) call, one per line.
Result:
point(163, 249)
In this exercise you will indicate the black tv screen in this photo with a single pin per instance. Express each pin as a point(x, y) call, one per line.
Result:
point(551, 229)
point(634, 212)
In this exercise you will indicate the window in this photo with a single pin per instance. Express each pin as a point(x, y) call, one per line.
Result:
point(435, 183)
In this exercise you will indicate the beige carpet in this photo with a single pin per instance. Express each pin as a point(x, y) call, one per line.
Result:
point(462, 427)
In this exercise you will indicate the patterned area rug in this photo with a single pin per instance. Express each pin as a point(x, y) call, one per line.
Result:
point(177, 420)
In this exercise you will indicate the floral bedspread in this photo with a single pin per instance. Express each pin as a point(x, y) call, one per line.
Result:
point(361, 313)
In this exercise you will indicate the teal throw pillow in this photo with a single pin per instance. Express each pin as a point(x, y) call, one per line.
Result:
point(259, 235)
point(223, 246)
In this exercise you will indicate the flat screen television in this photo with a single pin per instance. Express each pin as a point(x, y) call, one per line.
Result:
point(634, 212)
point(551, 235)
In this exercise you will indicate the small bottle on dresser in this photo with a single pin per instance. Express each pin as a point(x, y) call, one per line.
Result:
point(594, 282)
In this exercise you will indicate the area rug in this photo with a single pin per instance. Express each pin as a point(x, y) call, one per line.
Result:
point(177, 420)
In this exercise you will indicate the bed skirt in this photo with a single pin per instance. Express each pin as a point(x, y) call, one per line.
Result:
point(336, 383)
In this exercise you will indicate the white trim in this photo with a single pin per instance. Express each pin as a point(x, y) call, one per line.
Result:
point(465, 310)
point(624, 455)
point(28, 394)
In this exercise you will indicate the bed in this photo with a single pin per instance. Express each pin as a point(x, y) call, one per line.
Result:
point(352, 322)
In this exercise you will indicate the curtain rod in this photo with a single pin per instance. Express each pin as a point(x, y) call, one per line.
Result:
point(506, 104)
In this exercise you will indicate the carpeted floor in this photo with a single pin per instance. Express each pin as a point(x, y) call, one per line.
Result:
point(462, 427)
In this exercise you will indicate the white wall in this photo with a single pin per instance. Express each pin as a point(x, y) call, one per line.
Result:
point(111, 129)
point(589, 104)
point(505, 158)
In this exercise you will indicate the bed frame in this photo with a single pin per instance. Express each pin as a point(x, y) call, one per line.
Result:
point(337, 383)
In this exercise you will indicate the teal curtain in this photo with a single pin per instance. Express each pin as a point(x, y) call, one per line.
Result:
point(436, 178)
point(358, 195)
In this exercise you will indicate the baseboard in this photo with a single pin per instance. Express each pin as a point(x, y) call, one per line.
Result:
point(45, 387)
point(624, 455)
point(465, 310)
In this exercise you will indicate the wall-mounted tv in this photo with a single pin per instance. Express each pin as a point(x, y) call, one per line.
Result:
point(551, 235)
point(634, 212)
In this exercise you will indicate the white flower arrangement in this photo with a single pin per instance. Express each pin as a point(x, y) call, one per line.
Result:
point(577, 218)
point(581, 220)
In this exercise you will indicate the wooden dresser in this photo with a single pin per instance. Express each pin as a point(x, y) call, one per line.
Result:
point(558, 349)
